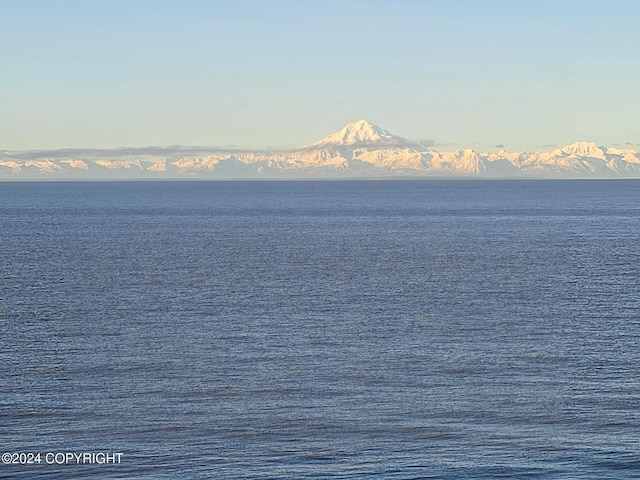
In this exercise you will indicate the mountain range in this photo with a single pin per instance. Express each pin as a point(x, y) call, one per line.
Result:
point(359, 150)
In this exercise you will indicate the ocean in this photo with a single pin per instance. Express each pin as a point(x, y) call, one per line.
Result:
point(391, 329)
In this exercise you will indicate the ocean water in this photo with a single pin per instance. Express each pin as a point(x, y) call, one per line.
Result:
point(321, 330)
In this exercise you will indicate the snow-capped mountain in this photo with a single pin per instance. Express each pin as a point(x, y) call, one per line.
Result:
point(360, 149)
point(360, 134)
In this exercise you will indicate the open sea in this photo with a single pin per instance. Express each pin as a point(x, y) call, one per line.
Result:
point(409, 329)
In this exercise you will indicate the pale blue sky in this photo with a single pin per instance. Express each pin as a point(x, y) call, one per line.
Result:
point(278, 73)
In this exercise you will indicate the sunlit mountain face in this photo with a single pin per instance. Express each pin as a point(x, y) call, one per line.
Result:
point(360, 149)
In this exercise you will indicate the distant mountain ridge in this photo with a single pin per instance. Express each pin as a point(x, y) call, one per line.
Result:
point(360, 149)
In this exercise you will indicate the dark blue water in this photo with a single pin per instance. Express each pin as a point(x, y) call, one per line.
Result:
point(381, 329)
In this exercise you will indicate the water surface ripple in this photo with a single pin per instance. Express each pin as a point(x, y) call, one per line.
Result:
point(307, 330)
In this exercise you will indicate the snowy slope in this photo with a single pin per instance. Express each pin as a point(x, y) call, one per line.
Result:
point(358, 134)
point(358, 149)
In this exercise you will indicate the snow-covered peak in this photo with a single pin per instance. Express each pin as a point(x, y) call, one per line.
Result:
point(360, 133)
point(466, 153)
point(584, 149)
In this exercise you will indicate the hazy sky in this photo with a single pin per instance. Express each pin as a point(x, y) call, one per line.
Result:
point(523, 74)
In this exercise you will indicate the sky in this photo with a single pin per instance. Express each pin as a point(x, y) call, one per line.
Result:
point(484, 74)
